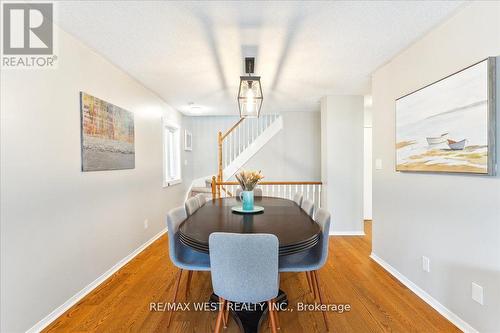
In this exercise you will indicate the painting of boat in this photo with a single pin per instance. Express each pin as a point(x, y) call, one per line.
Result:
point(448, 126)
point(457, 145)
point(437, 140)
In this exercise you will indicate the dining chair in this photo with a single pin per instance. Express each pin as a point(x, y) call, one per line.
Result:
point(308, 207)
point(192, 204)
point(202, 199)
point(298, 198)
point(257, 192)
point(312, 260)
point(244, 269)
point(182, 256)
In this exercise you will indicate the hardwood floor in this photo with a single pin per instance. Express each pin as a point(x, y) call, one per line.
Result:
point(379, 302)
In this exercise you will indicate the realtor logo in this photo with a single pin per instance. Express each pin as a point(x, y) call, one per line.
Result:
point(28, 30)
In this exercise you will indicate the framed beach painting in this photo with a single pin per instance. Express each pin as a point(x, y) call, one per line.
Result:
point(449, 125)
point(107, 134)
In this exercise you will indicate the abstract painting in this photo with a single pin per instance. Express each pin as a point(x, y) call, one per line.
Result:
point(107, 135)
point(449, 126)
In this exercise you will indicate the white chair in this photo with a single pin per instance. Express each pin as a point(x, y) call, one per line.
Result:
point(313, 260)
point(244, 269)
point(308, 207)
point(185, 258)
point(202, 199)
point(192, 204)
point(298, 198)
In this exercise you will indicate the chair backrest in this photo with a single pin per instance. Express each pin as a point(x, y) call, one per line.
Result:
point(308, 207)
point(298, 198)
point(202, 199)
point(192, 204)
point(244, 267)
point(323, 219)
point(257, 192)
point(174, 218)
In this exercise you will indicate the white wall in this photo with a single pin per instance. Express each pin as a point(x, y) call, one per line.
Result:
point(62, 228)
point(342, 161)
point(452, 219)
point(293, 154)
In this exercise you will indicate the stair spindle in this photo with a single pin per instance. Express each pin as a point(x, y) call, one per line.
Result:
point(233, 146)
point(314, 194)
point(253, 131)
point(239, 140)
point(248, 134)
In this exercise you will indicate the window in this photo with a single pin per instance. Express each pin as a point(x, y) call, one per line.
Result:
point(171, 154)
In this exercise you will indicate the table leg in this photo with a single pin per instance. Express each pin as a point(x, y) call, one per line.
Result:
point(250, 321)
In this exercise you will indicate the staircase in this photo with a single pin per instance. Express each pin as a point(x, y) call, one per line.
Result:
point(237, 146)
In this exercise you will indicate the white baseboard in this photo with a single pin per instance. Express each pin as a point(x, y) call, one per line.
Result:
point(82, 293)
point(445, 312)
point(347, 233)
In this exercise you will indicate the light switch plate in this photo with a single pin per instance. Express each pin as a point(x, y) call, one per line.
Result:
point(378, 164)
point(477, 293)
point(426, 264)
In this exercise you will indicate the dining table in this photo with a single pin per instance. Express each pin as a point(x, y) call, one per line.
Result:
point(295, 229)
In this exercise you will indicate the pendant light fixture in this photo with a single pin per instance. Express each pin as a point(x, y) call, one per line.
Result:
point(250, 92)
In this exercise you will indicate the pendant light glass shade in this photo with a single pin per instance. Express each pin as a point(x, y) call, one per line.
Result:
point(250, 96)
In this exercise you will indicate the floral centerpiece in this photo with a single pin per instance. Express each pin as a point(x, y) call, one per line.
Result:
point(248, 180)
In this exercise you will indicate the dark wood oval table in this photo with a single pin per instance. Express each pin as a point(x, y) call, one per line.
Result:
point(296, 232)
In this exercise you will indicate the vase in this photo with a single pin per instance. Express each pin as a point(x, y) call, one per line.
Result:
point(247, 200)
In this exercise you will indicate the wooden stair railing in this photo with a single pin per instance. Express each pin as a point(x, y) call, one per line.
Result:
point(220, 141)
point(283, 189)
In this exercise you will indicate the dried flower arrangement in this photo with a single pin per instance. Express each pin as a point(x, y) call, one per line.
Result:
point(248, 179)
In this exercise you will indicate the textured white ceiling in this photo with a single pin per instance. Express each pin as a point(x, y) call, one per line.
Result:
point(192, 51)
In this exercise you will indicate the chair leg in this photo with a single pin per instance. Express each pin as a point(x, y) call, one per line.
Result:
point(271, 315)
point(308, 281)
point(188, 283)
point(220, 316)
point(314, 285)
point(277, 317)
point(316, 278)
point(176, 289)
point(226, 314)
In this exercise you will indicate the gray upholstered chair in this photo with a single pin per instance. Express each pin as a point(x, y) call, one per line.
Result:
point(298, 198)
point(257, 192)
point(244, 269)
point(182, 256)
point(192, 204)
point(308, 207)
point(202, 199)
point(311, 261)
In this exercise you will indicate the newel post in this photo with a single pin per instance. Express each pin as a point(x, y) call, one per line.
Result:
point(214, 188)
